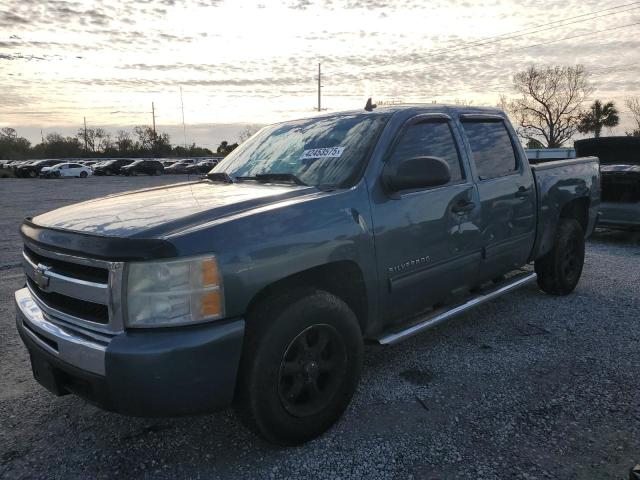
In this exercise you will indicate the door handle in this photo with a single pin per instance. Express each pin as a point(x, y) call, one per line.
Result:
point(522, 192)
point(463, 207)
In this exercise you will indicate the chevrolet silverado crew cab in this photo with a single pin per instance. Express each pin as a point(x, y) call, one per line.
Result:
point(258, 285)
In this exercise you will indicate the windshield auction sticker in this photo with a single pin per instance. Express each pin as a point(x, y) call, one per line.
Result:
point(333, 152)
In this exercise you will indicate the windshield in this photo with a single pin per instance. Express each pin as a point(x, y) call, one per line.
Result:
point(328, 151)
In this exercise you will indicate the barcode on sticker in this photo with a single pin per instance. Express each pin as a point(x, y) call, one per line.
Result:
point(333, 152)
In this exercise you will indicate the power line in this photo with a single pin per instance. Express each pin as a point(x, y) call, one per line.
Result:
point(476, 57)
point(510, 35)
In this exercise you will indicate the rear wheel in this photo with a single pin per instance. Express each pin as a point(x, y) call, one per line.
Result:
point(32, 174)
point(300, 367)
point(158, 172)
point(83, 174)
point(559, 270)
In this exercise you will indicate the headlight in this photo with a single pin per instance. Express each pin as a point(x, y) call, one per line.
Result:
point(174, 292)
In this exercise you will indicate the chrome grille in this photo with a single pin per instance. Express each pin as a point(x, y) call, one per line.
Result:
point(77, 290)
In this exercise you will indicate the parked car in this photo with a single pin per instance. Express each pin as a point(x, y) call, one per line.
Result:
point(88, 163)
point(111, 167)
point(259, 284)
point(177, 167)
point(201, 167)
point(6, 171)
point(32, 169)
point(66, 170)
point(620, 170)
point(146, 167)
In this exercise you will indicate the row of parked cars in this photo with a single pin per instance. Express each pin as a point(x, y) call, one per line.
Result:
point(56, 168)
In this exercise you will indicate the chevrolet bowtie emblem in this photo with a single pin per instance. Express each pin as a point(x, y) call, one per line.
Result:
point(40, 276)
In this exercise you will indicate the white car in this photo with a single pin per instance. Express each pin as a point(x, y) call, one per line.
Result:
point(66, 170)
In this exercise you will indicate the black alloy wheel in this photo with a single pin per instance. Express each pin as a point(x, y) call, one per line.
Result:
point(312, 370)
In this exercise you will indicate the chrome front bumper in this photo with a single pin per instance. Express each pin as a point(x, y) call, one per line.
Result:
point(64, 343)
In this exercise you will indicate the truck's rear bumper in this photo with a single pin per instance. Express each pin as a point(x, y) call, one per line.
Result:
point(619, 215)
point(151, 373)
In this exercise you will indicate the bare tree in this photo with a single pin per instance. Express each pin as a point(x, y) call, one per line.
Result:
point(550, 102)
point(123, 141)
point(88, 137)
point(633, 104)
point(9, 132)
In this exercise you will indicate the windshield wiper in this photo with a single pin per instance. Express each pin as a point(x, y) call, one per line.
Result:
point(220, 177)
point(274, 177)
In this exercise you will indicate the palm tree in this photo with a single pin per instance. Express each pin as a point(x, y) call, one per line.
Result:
point(598, 116)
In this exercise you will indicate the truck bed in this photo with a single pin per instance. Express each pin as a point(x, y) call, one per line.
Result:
point(579, 182)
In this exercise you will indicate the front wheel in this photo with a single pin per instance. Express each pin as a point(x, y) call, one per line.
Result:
point(83, 174)
point(300, 366)
point(559, 270)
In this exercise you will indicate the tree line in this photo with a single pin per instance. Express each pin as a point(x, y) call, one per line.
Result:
point(141, 142)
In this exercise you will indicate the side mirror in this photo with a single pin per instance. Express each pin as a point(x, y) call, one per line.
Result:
point(417, 172)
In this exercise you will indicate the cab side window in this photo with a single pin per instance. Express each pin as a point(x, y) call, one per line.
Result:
point(430, 139)
point(491, 149)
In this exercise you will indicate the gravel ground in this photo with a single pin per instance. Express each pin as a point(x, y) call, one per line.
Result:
point(528, 386)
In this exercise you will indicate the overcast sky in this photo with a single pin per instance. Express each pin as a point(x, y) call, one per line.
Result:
point(256, 61)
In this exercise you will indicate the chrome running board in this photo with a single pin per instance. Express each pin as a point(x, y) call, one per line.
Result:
point(438, 316)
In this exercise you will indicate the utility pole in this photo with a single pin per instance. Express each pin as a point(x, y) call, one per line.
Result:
point(184, 128)
point(153, 113)
point(85, 134)
point(319, 87)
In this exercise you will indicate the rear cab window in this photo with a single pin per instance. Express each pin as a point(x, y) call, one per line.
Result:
point(429, 138)
point(492, 150)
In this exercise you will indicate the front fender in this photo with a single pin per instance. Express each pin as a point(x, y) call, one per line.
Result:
point(262, 246)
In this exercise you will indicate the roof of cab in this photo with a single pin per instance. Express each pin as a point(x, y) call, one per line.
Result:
point(418, 108)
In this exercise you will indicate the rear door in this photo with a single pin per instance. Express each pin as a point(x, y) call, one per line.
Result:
point(427, 240)
point(74, 169)
point(506, 189)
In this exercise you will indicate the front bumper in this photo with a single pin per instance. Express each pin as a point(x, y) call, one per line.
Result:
point(149, 373)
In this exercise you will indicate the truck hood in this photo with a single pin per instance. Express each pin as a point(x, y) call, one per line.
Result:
point(157, 212)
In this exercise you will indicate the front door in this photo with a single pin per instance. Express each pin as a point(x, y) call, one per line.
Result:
point(427, 240)
point(506, 188)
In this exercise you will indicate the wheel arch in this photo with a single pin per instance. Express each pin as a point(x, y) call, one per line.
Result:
point(578, 209)
point(342, 278)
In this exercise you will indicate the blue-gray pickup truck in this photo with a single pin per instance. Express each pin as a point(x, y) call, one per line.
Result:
point(259, 285)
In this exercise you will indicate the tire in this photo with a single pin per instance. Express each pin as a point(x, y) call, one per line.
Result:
point(559, 270)
point(108, 173)
point(158, 172)
point(300, 366)
point(32, 174)
point(83, 174)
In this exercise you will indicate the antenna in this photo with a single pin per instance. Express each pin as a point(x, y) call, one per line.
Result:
point(184, 128)
point(370, 105)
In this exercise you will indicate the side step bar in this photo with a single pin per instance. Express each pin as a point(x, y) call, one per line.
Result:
point(434, 318)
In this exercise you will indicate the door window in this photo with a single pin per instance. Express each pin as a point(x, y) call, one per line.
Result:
point(491, 149)
point(429, 139)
